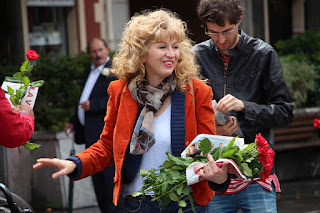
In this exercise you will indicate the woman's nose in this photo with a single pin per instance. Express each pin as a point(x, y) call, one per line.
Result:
point(170, 53)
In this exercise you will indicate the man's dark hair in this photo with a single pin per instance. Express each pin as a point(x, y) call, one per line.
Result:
point(95, 38)
point(218, 11)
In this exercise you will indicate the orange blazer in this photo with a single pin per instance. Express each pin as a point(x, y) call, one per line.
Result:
point(119, 124)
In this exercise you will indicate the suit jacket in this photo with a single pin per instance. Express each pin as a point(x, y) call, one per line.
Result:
point(119, 125)
point(90, 132)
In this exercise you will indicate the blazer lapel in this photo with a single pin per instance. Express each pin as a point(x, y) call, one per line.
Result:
point(128, 109)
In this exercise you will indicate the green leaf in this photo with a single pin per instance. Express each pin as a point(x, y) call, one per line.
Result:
point(205, 145)
point(31, 146)
point(14, 100)
point(216, 153)
point(29, 68)
point(36, 84)
point(164, 186)
point(182, 203)
point(232, 142)
point(180, 189)
point(173, 196)
point(18, 94)
point(180, 210)
point(176, 168)
point(136, 194)
point(26, 80)
point(10, 90)
point(165, 200)
point(245, 169)
point(23, 91)
point(229, 153)
point(17, 75)
point(186, 190)
point(24, 66)
point(175, 174)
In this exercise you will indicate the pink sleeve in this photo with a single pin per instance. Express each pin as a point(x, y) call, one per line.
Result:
point(15, 128)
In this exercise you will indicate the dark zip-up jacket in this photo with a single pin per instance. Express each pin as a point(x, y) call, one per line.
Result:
point(254, 75)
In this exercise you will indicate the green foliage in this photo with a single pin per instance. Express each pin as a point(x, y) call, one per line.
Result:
point(307, 43)
point(57, 99)
point(300, 59)
point(168, 183)
point(301, 77)
point(246, 157)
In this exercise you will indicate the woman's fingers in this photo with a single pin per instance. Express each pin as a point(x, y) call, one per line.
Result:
point(65, 167)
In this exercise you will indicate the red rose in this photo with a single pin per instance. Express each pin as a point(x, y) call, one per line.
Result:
point(261, 141)
point(263, 150)
point(316, 123)
point(32, 55)
point(266, 160)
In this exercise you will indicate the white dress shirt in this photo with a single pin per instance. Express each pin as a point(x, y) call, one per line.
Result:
point(86, 92)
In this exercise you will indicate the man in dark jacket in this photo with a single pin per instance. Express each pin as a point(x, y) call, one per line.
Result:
point(247, 82)
point(88, 120)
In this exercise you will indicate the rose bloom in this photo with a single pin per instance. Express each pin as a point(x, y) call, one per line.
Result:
point(266, 160)
point(316, 123)
point(263, 150)
point(261, 141)
point(32, 55)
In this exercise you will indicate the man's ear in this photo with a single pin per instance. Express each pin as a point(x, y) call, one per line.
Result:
point(240, 19)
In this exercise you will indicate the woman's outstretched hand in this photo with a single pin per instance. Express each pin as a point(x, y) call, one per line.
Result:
point(65, 166)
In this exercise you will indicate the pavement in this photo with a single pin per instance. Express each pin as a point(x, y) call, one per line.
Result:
point(296, 197)
point(284, 206)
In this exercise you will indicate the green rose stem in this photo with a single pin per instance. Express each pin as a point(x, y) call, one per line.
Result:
point(22, 78)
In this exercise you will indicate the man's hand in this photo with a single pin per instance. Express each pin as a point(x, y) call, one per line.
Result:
point(24, 108)
point(85, 105)
point(228, 129)
point(228, 103)
point(68, 126)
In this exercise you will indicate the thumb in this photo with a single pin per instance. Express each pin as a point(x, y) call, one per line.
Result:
point(225, 166)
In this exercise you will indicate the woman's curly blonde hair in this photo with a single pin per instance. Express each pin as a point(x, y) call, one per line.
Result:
point(150, 27)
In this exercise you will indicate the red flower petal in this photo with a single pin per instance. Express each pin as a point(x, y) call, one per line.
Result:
point(32, 55)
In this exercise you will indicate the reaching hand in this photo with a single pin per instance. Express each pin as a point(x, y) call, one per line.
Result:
point(228, 103)
point(212, 172)
point(65, 166)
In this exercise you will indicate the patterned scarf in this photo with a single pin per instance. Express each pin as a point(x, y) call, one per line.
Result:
point(151, 99)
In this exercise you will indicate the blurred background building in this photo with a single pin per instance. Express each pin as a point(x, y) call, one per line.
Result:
point(65, 26)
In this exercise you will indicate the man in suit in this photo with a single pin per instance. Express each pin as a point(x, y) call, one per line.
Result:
point(88, 120)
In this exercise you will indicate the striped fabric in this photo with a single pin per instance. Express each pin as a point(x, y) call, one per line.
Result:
point(225, 60)
point(237, 184)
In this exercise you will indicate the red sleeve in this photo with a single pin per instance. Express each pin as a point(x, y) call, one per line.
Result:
point(15, 128)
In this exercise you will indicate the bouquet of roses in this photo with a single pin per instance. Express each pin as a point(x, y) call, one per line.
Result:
point(170, 182)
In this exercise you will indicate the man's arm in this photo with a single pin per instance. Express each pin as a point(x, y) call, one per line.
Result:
point(277, 110)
